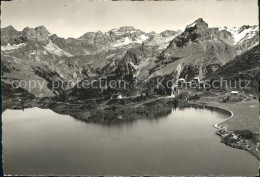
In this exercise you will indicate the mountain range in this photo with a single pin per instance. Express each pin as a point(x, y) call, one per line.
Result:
point(125, 53)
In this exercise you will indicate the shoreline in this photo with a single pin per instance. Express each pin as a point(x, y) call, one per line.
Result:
point(215, 107)
point(239, 139)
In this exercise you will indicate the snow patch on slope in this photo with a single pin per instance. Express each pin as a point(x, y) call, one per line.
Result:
point(191, 25)
point(54, 49)
point(242, 33)
point(129, 40)
point(144, 37)
point(12, 47)
point(124, 41)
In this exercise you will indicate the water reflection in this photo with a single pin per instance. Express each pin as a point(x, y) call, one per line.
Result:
point(179, 141)
point(127, 117)
point(113, 118)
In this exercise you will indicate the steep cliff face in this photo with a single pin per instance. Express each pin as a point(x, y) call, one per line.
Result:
point(132, 62)
point(201, 50)
point(11, 36)
point(39, 33)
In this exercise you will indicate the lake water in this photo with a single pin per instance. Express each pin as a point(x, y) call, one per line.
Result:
point(40, 141)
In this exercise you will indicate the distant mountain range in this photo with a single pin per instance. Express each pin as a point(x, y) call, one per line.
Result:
point(125, 52)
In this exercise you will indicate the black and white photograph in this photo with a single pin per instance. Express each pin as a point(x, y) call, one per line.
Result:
point(130, 88)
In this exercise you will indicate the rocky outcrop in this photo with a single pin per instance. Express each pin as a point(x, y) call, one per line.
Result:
point(11, 36)
point(132, 63)
point(39, 33)
point(202, 50)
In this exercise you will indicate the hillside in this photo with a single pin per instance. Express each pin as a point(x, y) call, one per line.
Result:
point(245, 67)
point(123, 53)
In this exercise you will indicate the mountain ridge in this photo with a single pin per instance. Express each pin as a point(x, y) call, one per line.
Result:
point(126, 52)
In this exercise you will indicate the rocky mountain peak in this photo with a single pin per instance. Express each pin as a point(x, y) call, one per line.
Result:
point(200, 20)
point(99, 33)
point(168, 33)
point(126, 29)
point(42, 30)
point(88, 35)
point(245, 27)
point(197, 24)
point(7, 34)
point(8, 31)
point(9, 28)
point(91, 36)
point(152, 33)
point(39, 33)
point(198, 30)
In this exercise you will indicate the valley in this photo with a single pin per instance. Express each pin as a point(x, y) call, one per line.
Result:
point(139, 59)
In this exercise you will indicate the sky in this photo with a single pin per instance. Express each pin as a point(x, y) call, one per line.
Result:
point(73, 18)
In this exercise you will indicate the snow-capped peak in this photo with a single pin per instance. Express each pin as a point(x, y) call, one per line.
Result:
point(243, 32)
point(198, 23)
